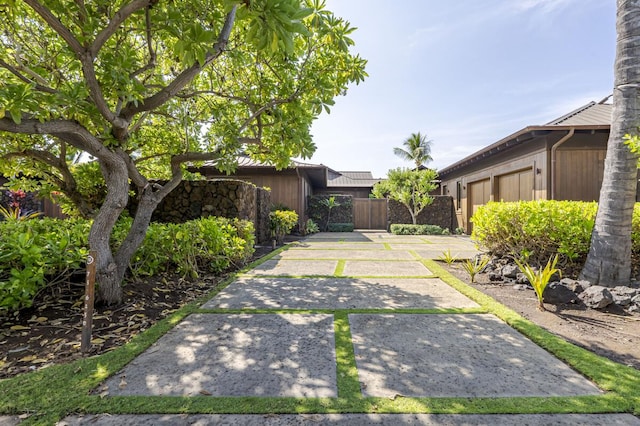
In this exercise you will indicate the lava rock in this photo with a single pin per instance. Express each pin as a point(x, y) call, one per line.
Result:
point(623, 296)
point(577, 286)
point(495, 277)
point(510, 271)
point(557, 294)
point(596, 297)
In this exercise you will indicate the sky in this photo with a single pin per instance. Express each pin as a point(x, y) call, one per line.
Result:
point(466, 73)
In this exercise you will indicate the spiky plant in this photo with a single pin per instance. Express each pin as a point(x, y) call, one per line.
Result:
point(540, 278)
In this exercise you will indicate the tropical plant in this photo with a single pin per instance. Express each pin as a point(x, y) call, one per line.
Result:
point(447, 257)
point(417, 149)
point(144, 87)
point(475, 267)
point(281, 222)
point(330, 203)
point(311, 227)
point(539, 278)
point(16, 213)
point(609, 260)
point(409, 187)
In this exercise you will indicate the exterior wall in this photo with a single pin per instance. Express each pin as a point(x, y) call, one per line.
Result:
point(484, 179)
point(440, 212)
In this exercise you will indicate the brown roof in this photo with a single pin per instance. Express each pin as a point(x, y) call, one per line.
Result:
point(592, 113)
point(350, 179)
point(592, 116)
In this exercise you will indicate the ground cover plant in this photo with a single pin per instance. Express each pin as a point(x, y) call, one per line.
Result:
point(37, 254)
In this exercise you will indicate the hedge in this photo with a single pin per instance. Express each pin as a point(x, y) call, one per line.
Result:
point(409, 229)
point(37, 253)
point(537, 230)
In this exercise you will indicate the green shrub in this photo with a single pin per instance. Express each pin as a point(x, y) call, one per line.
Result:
point(281, 223)
point(340, 227)
point(407, 229)
point(37, 253)
point(311, 227)
point(536, 230)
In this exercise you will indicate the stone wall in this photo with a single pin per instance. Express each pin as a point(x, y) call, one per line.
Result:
point(220, 197)
point(440, 212)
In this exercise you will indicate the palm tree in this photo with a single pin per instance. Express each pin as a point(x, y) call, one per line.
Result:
point(417, 148)
point(609, 259)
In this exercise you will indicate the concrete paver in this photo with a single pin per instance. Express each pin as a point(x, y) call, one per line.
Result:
point(399, 268)
point(346, 254)
point(295, 267)
point(338, 293)
point(471, 355)
point(237, 355)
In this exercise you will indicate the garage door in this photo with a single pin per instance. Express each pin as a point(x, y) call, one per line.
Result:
point(479, 194)
point(517, 186)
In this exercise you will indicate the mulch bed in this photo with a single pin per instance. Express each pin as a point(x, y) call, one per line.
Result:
point(50, 332)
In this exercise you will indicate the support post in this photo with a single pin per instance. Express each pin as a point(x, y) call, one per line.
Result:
point(89, 297)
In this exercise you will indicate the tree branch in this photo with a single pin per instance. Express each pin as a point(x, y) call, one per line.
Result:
point(57, 26)
point(118, 18)
point(152, 54)
point(186, 76)
point(22, 77)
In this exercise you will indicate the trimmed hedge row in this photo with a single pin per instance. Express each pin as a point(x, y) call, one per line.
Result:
point(537, 230)
point(37, 253)
point(410, 229)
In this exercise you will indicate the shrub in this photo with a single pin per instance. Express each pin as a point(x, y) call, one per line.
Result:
point(38, 253)
point(407, 229)
point(340, 227)
point(281, 223)
point(536, 230)
point(311, 227)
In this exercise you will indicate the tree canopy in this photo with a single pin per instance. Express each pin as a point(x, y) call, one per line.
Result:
point(416, 148)
point(144, 87)
point(409, 187)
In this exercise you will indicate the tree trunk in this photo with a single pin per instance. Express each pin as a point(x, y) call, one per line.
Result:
point(609, 259)
point(109, 274)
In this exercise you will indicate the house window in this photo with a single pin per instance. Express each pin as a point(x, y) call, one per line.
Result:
point(458, 194)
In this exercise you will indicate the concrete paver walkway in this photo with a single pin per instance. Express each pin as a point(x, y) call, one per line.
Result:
point(280, 329)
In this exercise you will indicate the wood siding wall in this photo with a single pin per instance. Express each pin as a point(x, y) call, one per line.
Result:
point(518, 174)
point(579, 174)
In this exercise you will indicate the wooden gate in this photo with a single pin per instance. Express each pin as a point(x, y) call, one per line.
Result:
point(370, 213)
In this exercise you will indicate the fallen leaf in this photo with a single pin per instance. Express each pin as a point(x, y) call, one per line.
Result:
point(97, 341)
point(123, 383)
point(20, 327)
point(204, 392)
point(29, 358)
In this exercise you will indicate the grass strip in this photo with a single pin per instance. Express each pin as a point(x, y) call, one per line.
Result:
point(339, 272)
point(387, 246)
point(346, 369)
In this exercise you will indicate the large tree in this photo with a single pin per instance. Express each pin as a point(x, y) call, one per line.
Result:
point(409, 187)
point(143, 87)
point(609, 259)
point(416, 148)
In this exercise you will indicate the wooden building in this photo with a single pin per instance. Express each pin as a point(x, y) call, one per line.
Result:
point(560, 160)
point(292, 186)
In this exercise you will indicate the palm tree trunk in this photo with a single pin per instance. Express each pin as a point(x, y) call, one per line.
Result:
point(609, 259)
